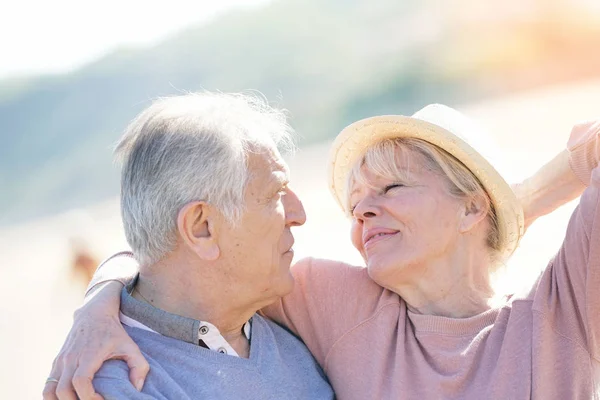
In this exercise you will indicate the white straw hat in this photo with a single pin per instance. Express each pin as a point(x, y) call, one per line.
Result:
point(441, 126)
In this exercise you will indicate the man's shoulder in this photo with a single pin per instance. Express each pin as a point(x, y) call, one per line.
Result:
point(164, 379)
point(113, 380)
point(278, 332)
point(279, 336)
point(114, 369)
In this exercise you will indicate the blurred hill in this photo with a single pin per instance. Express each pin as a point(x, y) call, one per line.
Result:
point(328, 61)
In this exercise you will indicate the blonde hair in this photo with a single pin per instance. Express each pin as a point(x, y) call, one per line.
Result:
point(383, 159)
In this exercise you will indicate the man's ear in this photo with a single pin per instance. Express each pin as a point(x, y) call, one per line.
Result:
point(195, 223)
point(475, 210)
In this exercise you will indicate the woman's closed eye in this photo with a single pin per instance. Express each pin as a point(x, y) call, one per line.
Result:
point(391, 186)
point(383, 191)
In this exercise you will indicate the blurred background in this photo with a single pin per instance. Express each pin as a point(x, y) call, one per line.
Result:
point(72, 74)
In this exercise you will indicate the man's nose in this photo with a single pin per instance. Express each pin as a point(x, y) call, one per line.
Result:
point(294, 210)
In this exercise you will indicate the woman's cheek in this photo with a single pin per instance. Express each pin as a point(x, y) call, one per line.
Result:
point(356, 235)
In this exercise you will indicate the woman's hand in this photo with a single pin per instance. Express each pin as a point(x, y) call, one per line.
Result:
point(96, 336)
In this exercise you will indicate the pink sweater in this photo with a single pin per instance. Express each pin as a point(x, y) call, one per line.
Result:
point(542, 345)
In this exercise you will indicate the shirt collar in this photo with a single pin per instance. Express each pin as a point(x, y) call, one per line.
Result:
point(172, 325)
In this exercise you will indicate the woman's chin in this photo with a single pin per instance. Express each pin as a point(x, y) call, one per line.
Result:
point(383, 271)
point(378, 270)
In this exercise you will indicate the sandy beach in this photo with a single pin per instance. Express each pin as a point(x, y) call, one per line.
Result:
point(40, 293)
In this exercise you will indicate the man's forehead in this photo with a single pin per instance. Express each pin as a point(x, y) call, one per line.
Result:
point(277, 163)
point(272, 163)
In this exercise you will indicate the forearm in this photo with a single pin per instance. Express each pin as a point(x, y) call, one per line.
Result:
point(565, 177)
point(120, 267)
point(109, 289)
point(550, 187)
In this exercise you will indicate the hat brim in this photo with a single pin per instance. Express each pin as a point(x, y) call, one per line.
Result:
point(354, 140)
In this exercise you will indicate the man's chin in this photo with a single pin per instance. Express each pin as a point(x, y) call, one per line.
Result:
point(288, 255)
point(286, 260)
point(286, 284)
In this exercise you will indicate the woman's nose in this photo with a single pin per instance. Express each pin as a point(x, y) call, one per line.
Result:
point(366, 208)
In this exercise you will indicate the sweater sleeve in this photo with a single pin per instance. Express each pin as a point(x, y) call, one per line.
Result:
point(121, 267)
point(329, 299)
point(570, 286)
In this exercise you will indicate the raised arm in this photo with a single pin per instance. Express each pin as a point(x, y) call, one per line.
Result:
point(552, 186)
point(565, 177)
point(97, 335)
point(567, 293)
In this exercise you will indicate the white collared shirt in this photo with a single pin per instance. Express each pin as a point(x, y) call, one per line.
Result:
point(207, 333)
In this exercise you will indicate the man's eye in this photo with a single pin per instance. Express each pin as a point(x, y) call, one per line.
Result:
point(281, 192)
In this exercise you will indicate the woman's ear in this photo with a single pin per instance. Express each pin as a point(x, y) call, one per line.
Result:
point(195, 223)
point(475, 210)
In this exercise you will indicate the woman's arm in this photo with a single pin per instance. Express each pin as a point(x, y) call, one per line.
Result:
point(552, 186)
point(120, 267)
point(562, 179)
point(97, 335)
point(567, 293)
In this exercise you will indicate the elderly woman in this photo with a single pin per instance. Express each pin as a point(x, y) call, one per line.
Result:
point(433, 220)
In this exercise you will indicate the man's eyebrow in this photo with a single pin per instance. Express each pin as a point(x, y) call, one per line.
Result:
point(283, 174)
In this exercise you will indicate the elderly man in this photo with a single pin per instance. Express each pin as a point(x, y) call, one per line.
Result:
point(208, 212)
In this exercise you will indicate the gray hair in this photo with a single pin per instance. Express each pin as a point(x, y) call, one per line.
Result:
point(188, 148)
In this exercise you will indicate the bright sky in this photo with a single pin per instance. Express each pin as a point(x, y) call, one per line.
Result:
point(40, 36)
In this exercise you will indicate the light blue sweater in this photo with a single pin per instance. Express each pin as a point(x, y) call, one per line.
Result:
point(279, 367)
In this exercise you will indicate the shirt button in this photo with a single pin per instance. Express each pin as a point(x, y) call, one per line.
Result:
point(222, 350)
point(203, 330)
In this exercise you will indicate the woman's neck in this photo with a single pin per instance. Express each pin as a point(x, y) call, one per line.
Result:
point(454, 288)
point(456, 303)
